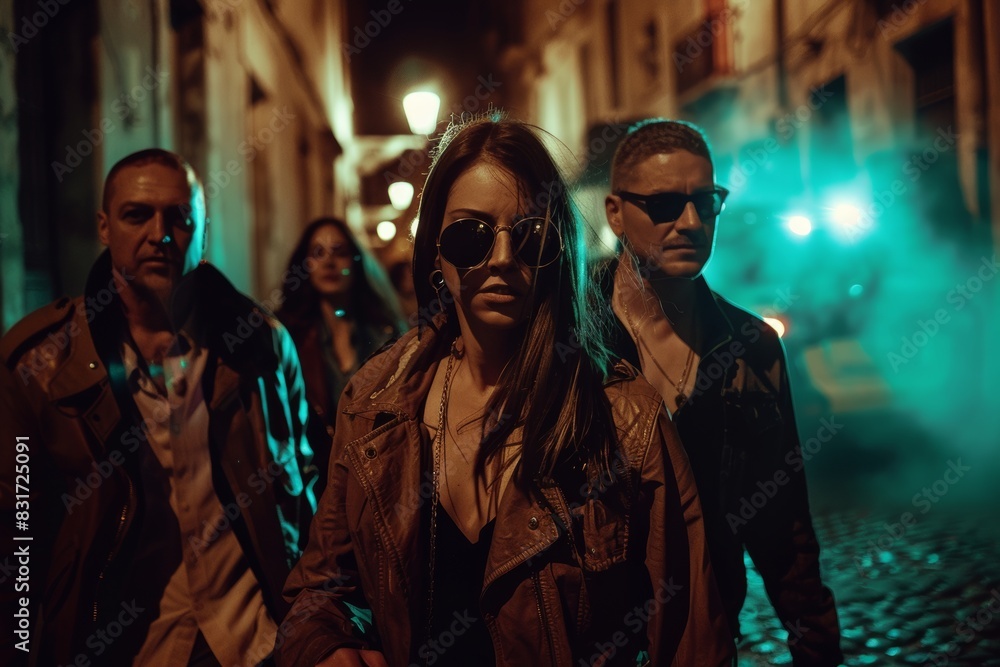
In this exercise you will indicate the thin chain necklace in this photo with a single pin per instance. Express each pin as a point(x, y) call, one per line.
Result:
point(679, 385)
point(437, 446)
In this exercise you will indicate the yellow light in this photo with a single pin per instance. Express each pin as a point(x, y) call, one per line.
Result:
point(386, 230)
point(421, 108)
point(401, 195)
point(776, 324)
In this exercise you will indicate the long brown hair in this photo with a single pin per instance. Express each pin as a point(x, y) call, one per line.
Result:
point(373, 299)
point(553, 385)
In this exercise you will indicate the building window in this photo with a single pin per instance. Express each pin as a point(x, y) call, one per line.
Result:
point(931, 54)
point(939, 200)
point(704, 52)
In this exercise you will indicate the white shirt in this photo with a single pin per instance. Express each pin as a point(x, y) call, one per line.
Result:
point(213, 589)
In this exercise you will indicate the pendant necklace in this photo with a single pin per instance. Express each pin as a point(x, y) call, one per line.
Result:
point(678, 385)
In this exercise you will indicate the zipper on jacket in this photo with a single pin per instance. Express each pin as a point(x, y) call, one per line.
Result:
point(543, 617)
point(115, 544)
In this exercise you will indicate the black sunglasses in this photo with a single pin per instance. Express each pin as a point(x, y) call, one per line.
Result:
point(668, 206)
point(467, 243)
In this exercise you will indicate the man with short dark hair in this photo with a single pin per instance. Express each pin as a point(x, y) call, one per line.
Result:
point(163, 418)
point(721, 372)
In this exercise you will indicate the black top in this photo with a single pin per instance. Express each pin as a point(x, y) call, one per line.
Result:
point(459, 635)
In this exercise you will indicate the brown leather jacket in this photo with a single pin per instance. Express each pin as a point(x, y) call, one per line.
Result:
point(570, 576)
point(85, 506)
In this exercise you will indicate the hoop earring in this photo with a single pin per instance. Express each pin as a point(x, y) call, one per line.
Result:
point(436, 281)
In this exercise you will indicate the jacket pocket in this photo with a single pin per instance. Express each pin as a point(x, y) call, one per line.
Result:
point(605, 535)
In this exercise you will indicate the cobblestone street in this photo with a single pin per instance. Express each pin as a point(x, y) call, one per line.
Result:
point(927, 593)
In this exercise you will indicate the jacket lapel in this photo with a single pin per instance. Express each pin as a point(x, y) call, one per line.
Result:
point(388, 464)
point(83, 375)
point(524, 529)
point(242, 476)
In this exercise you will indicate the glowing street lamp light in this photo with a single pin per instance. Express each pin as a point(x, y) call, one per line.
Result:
point(846, 216)
point(421, 110)
point(401, 195)
point(386, 230)
point(849, 220)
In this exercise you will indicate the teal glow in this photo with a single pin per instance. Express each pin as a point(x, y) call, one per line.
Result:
point(766, 647)
point(360, 617)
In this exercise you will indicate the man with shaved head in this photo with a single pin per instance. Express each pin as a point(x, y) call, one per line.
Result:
point(163, 417)
point(721, 372)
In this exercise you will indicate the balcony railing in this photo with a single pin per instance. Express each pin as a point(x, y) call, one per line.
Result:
point(705, 52)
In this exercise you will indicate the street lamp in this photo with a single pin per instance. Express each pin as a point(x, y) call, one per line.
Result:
point(800, 225)
point(401, 195)
point(421, 108)
point(846, 215)
point(386, 230)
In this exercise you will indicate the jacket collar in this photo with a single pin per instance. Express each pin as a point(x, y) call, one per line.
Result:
point(92, 358)
point(720, 328)
point(204, 303)
point(397, 381)
point(83, 368)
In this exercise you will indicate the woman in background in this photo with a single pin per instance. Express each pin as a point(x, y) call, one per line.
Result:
point(344, 312)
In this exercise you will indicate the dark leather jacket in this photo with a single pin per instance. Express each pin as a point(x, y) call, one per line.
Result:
point(739, 430)
point(61, 389)
point(569, 576)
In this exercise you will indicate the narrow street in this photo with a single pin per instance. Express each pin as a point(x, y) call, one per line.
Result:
point(932, 598)
point(916, 582)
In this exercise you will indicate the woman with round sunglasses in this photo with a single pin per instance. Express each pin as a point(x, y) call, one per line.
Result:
point(500, 492)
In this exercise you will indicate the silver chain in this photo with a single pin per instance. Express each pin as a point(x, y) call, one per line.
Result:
point(437, 446)
point(679, 385)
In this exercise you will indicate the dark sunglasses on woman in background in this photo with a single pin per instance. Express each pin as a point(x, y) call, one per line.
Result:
point(467, 243)
point(668, 206)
